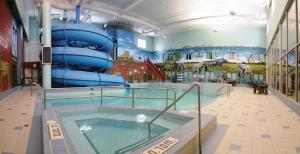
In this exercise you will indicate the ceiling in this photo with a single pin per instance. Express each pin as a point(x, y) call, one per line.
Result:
point(160, 17)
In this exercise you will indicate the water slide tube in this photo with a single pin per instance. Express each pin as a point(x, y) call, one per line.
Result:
point(81, 56)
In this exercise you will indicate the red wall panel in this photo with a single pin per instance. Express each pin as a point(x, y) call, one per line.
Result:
point(6, 23)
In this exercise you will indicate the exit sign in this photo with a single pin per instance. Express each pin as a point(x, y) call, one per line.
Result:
point(3, 42)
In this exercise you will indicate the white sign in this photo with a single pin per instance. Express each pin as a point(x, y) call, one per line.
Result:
point(199, 76)
point(54, 130)
point(162, 147)
point(3, 42)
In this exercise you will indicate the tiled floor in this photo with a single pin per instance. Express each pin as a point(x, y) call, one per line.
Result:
point(257, 124)
point(16, 112)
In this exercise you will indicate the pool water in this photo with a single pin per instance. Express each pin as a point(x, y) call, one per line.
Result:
point(142, 96)
point(109, 130)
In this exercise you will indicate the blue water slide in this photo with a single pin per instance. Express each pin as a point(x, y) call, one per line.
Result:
point(77, 46)
point(82, 56)
point(81, 34)
point(82, 78)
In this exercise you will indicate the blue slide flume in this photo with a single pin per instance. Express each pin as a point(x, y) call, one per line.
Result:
point(81, 56)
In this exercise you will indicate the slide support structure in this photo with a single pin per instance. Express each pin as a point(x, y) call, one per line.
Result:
point(46, 17)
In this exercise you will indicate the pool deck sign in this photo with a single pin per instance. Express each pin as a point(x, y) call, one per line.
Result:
point(3, 42)
point(162, 147)
point(54, 130)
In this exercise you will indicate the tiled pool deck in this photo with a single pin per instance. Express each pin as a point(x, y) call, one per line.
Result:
point(257, 124)
point(16, 112)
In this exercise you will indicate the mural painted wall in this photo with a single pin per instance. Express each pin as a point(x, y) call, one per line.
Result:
point(127, 48)
point(202, 54)
point(214, 36)
point(6, 32)
point(234, 58)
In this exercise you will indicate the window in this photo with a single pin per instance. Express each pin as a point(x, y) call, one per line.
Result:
point(284, 37)
point(208, 55)
point(188, 56)
point(231, 55)
point(298, 74)
point(14, 41)
point(298, 3)
point(277, 75)
point(291, 75)
point(141, 43)
point(283, 72)
point(292, 26)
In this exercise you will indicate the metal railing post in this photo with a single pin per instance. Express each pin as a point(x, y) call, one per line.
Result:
point(44, 100)
point(31, 89)
point(227, 90)
point(149, 130)
point(167, 97)
point(132, 97)
point(175, 99)
point(173, 103)
point(101, 97)
point(199, 119)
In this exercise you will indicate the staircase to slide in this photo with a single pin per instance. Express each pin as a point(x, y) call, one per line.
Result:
point(155, 69)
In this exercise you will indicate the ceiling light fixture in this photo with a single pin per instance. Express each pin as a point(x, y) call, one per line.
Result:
point(232, 13)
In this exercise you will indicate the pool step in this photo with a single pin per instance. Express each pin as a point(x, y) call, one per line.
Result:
point(136, 145)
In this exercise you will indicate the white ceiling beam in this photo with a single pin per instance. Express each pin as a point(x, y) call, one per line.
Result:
point(130, 6)
point(124, 16)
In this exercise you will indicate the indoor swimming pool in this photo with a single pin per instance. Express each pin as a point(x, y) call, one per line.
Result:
point(112, 131)
point(139, 95)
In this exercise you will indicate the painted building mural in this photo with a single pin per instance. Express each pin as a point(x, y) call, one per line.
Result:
point(202, 54)
point(240, 62)
point(127, 50)
point(6, 31)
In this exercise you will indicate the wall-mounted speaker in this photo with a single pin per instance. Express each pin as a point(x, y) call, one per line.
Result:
point(46, 55)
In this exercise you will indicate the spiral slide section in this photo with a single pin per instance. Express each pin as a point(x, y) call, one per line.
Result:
point(81, 56)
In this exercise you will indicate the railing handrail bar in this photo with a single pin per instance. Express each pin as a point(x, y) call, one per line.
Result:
point(218, 91)
point(174, 102)
point(35, 84)
point(115, 87)
point(136, 97)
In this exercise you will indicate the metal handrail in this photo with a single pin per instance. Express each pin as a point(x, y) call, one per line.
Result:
point(111, 87)
point(42, 89)
point(114, 87)
point(218, 91)
point(221, 88)
point(136, 97)
point(174, 103)
point(35, 84)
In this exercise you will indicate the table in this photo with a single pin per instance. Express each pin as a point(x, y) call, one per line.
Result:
point(263, 88)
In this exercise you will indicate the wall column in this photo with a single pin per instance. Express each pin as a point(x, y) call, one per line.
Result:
point(46, 20)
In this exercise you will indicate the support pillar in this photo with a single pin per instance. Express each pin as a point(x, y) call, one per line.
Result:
point(46, 20)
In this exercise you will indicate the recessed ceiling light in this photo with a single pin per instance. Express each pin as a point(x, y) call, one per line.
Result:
point(232, 13)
